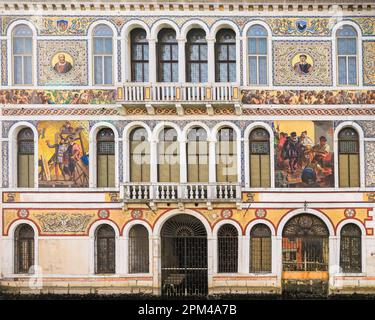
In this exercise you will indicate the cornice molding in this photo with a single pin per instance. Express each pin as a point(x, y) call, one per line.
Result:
point(185, 6)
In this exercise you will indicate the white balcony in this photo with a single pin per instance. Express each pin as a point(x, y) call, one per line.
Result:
point(178, 92)
point(180, 192)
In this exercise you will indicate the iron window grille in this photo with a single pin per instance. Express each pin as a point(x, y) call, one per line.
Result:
point(24, 249)
point(351, 249)
point(227, 238)
point(138, 250)
point(105, 250)
point(260, 249)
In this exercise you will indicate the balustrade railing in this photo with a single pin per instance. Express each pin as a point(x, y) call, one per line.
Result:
point(176, 92)
point(196, 192)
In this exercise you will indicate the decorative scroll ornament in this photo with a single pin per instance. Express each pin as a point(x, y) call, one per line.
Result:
point(64, 222)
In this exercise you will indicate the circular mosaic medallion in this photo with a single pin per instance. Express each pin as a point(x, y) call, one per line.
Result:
point(23, 213)
point(214, 216)
point(136, 214)
point(260, 213)
point(103, 214)
point(226, 213)
point(349, 213)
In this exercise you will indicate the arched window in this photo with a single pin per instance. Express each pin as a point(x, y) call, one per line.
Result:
point(227, 238)
point(351, 249)
point(257, 55)
point(225, 56)
point(24, 248)
point(139, 156)
point(167, 56)
point(259, 158)
point(197, 155)
point(305, 244)
point(226, 155)
point(168, 160)
point(349, 158)
point(260, 249)
point(22, 43)
point(105, 250)
point(196, 56)
point(139, 55)
point(103, 55)
point(347, 56)
point(25, 154)
point(138, 250)
point(105, 158)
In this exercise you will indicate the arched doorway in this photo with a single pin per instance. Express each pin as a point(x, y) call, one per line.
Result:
point(184, 257)
point(305, 255)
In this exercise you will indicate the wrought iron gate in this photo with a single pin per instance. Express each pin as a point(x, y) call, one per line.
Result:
point(305, 256)
point(184, 257)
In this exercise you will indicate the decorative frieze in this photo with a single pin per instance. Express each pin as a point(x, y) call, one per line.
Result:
point(31, 96)
point(308, 97)
point(57, 222)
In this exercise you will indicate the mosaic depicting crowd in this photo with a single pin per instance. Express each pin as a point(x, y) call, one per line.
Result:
point(57, 96)
point(315, 97)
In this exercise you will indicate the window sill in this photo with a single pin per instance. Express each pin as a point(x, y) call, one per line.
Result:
point(359, 275)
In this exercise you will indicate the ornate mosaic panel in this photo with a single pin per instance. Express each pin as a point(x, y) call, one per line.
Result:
point(31, 96)
point(369, 63)
point(303, 154)
point(301, 26)
point(367, 24)
point(63, 154)
point(368, 128)
point(4, 72)
point(62, 62)
point(316, 97)
point(4, 171)
point(302, 63)
point(370, 163)
point(63, 26)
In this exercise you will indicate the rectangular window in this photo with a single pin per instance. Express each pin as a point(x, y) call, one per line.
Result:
point(25, 171)
point(260, 170)
point(103, 61)
point(347, 61)
point(260, 254)
point(257, 60)
point(349, 170)
point(168, 162)
point(106, 171)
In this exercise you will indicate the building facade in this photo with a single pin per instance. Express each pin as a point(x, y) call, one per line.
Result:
point(187, 148)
